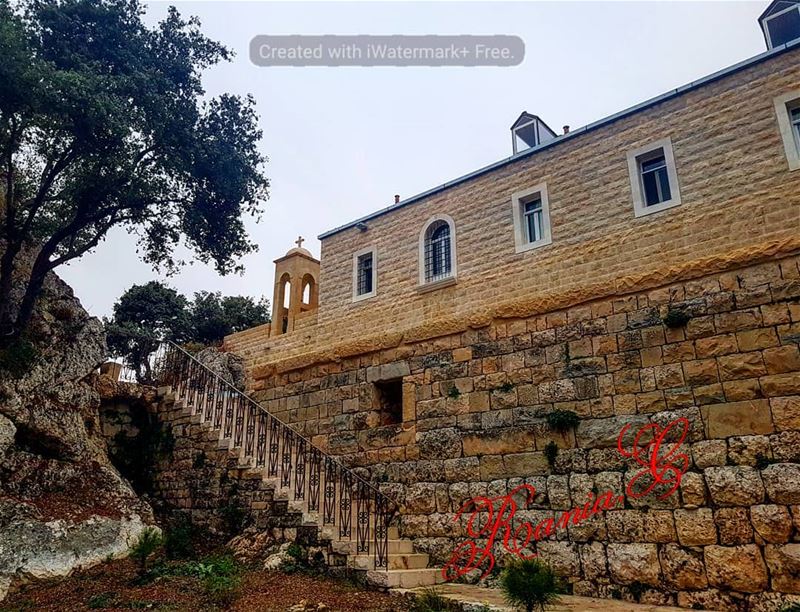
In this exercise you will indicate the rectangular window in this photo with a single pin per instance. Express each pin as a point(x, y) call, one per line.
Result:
point(654, 179)
point(364, 274)
point(533, 219)
point(787, 109)
point(531, 216)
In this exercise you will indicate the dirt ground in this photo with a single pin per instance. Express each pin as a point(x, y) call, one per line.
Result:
point(111, 586)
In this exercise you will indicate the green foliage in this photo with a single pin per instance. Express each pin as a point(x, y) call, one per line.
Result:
point(220, 576)
point(790, 607)
point(562, 421)
point(506, 387)
point(17, 357)
point(106, 123)
point(529, 584)
point(101, 601)
point(551, 452)
point(430, 600)
point(233, 515)
point(676, 317)
point(145, 313)
point(296, 552)
point(453, 392)
point(213, 317)
point(145, 547)
point(178, 540)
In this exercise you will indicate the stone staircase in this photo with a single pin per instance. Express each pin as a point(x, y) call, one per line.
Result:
point(404, 568)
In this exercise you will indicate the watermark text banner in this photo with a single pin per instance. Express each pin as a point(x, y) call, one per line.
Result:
point(394, 50)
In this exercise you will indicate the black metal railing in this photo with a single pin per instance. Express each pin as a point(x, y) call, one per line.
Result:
point(310, 475)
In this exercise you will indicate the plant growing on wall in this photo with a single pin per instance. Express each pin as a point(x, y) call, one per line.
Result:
point(562, 421)
point(551, 452)
point(530, 585)
point(676, 318)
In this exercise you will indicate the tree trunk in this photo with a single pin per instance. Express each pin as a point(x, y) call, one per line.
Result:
point(7, 314)
point(38, 273)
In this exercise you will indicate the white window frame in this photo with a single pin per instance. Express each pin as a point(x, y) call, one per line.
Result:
point(521, 242)
point(796, 7)
point(374, 252)
point(640, 207)
point(448, 280)
point(791, 141)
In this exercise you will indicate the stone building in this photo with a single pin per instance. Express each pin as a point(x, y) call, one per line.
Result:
point(643, 268)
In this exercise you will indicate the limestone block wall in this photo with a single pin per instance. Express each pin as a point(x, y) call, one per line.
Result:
point(736, 189)
point(188, 477)
point(474, 422)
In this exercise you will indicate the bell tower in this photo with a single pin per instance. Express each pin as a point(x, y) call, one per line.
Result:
point(296, 287)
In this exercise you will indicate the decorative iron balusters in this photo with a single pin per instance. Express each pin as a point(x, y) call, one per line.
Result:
point(310, 475)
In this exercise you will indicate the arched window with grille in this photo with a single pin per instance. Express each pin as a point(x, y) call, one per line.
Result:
point(437, 250)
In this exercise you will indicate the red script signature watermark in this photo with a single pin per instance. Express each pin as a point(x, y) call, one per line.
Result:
point(491, 519)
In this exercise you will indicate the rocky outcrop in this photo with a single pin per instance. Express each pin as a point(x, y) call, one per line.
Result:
point(62, 504)
point(228, 366)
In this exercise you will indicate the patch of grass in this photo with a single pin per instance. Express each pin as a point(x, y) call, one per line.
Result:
point(551, 452)
point(561, 421)
point(676, 318)
point(101, 600)
point(220, 576)
point(530, 585)
point(18, 357)
point(430, 600)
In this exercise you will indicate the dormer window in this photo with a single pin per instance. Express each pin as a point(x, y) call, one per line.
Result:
point(529, 131)
point(437, 251)
point(781, 22)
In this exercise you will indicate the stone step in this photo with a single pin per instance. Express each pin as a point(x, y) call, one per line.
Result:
point(348, 547)
point(405, 578)
point(396, 561)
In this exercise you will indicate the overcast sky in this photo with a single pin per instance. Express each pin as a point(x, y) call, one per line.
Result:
point(342, 141)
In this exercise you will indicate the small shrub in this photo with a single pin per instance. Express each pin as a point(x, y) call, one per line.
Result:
point(148, 543)
point(529, 584)
point(178, 541)
point(100, 601)
point(676, 317)
point(295, 551)
point(430, 600)
point(220, 577)
point(233, 515)
point(453, 392)
point(790, 607)
point(551, 452)
point(561, 421)
point(18, 357)
point(506, 387)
